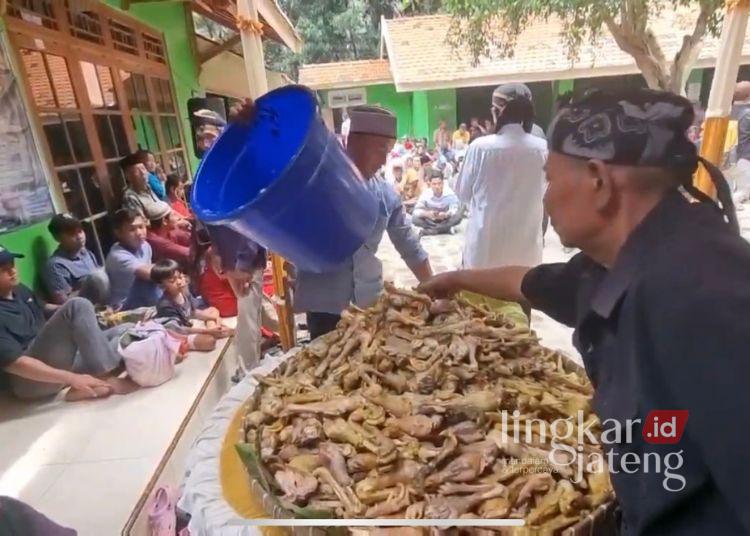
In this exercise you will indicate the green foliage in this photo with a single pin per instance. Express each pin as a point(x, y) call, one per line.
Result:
point(337, 30)
point(492, 26)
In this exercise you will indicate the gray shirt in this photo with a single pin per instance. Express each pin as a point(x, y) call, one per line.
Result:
point(64, 272)
point(360, 278)
point(743, 131)
point(127, 290)
point(146, 203)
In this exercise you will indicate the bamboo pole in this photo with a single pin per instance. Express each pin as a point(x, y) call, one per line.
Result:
point(722, 89)
point(250, 30)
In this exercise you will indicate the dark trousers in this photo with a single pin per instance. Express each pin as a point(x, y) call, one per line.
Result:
point(437, 227)
point(321, 323)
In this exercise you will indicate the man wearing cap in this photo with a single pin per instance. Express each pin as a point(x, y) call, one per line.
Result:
point(360, 279)
point(502, 183)
point(167, 240)
point(505, 93)
point(72, 270)
point(660, 301)
point(138, 195)
point(38, 358)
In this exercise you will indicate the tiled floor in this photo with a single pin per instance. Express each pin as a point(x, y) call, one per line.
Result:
point(85, 465)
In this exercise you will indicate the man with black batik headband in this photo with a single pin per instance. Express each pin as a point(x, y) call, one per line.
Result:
point(660, 301)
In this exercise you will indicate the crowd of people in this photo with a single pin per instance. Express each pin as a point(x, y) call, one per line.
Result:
point(160, 272)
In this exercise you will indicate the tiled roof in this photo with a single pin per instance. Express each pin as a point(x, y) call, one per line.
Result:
point(345, 74)
point(421, 58)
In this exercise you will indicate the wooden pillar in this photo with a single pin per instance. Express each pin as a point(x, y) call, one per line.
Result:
point(722, 89)
point(252, 51)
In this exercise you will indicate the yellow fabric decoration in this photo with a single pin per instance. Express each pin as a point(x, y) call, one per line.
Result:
point(510, 309)
point(252, 25)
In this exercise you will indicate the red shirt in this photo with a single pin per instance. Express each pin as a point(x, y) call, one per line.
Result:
point(167, 244)
point(180, 207)
point(217, 292)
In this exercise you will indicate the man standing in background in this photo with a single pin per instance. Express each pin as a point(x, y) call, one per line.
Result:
point(323, 296)
point(742, 111)
point(502, 182)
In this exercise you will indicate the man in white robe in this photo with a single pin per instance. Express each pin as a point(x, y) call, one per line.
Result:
point(502, 182)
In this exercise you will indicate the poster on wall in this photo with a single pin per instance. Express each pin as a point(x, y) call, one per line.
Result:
point(24, 193)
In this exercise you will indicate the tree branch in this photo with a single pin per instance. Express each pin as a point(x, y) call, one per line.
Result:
point(691, 45)
point(653, 70)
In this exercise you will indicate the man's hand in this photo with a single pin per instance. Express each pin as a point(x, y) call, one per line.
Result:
point(90, 386)
point(221, 332)
point(239, 281)
point(444, 285)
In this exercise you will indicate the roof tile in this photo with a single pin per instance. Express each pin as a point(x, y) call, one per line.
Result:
point(345, 74)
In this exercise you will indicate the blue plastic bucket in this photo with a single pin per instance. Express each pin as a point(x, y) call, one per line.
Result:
point(284, 181)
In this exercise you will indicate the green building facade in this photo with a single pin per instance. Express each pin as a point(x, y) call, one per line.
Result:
point(173, 19)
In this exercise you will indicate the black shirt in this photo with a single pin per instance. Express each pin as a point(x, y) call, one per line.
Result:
point(21, 318)
point(667, 328)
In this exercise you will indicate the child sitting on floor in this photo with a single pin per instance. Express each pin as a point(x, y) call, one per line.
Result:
point(181, 307)
point(215, 287)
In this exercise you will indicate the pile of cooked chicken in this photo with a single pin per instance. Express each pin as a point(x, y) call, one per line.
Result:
point(427, 409)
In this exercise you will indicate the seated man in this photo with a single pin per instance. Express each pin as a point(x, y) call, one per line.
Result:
point(166, 240)
point(129, 264)
point(438, 210)
point(72, 270)
point(42, 357)
point(138, 195)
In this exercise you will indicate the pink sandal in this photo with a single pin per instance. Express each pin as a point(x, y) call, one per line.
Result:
point(162, 518)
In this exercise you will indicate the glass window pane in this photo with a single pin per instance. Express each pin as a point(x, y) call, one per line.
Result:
point(71, 188)
point(167, 132)
point(116, 178)
point(92, 84)
point(108, 87)
point(140, 92)
point(168, 96)
point(109, 148)
point(58, 70)
point(56, 140)
point(41, 88)
point(174, 127)
point(149, 131)
point(121, 138)
point(129, 83)
point(92, 241)
point(163, 99)
point(93, 190)
point(104, 230)
point(78, 138)
point(177, 164)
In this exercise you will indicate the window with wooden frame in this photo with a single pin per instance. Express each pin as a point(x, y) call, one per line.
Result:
point(62, 123)
point(100, 83)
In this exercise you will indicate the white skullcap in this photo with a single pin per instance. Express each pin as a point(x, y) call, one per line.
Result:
point(372, 120)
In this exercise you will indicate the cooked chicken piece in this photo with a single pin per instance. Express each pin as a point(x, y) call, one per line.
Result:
point(297, 486)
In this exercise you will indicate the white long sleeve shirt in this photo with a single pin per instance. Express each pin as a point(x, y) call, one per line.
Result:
point(502, 182)
point(429, 202)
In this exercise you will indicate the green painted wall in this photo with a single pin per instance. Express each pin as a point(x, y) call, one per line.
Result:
point(385, 95)
point(441, 105)
point(563, 86)
point(420, 109)
point(171, 18)
point(37, 244)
